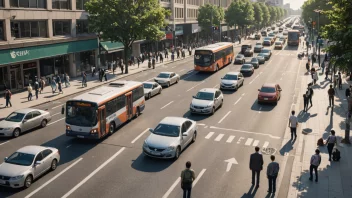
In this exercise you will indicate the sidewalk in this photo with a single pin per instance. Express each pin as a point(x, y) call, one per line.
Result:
point(335, 178)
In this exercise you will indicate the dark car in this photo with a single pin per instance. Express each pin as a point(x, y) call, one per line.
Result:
point(247, 69)
point(248, 52)
point(257, 37)
point(239, 59)
point(244, 48)
point(269, 93)
point(264, 33)
point(261, 58)
point(267, 53)
point(267, 41)
point(258, 47)
point(255, 63)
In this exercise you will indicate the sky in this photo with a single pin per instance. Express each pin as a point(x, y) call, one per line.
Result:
point(295, 4)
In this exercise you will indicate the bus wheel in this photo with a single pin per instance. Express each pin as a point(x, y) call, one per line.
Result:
point(111, 128)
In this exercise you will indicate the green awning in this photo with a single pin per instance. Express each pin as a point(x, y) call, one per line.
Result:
point(110, 47)
point(10, 56)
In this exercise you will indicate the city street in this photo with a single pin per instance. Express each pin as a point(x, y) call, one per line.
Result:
point(117, 167)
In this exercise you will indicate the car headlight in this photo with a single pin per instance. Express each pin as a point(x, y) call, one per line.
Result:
point(17, 177)
point(170, 148)
point(93, 131)
point(210, 105)
point(145, 145)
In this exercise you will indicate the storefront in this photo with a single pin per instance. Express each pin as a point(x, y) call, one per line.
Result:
point(110, 52)
point(191, 33)
point(19, 67)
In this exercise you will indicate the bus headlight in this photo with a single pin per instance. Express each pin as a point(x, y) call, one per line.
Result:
point(68, 127)
point(94, 131)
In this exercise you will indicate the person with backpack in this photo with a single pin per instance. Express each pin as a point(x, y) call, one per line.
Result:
point(187, 178)
point(272, 172)
point(315, 161)
point(330, 142)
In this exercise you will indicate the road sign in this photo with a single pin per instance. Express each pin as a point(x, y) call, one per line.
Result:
point(230, 162)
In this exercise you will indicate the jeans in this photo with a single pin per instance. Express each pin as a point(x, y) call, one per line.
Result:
point(272, 183)
point(305, 105)
point(255, 172)
point(293, 132)
point(315, 168)
point(187, 189)
point(36, 93)
point(330, 148)
point(29, 96)
point(8, 102)
point(331, 100)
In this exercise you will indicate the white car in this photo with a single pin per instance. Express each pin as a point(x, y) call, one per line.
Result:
point(232, 80)
point(170, 137)
point(151, 89)
point(207, 101)
point(27, 164)
point(167, 78)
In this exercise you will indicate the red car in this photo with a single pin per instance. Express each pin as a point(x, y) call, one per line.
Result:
point(269, 93)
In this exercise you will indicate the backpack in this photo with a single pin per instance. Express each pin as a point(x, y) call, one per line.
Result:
point(187, 176)
point(336, 156)
point(320, 142)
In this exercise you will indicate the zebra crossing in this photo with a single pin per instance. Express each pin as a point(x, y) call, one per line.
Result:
point(239, 140)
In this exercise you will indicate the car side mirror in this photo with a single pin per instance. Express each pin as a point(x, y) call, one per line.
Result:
point(38, 162)
point(151, 130)
point(5, 158)
point(258, 89)
point(63, 110)
point(25, 120)
point(184, 134)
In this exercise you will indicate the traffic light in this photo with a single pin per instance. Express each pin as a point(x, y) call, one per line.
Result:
point(215, 27)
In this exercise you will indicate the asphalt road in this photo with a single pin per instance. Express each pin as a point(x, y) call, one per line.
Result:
point(116, 166)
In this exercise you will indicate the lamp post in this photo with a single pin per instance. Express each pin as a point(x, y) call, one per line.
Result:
point(318, 39)
point(219, 22)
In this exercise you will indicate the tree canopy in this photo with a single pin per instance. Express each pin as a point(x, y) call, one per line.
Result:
point(208, 16)
point(240, 13)
point(126, 21)
point(258, 15)
point(308, 13)
point(266, 14)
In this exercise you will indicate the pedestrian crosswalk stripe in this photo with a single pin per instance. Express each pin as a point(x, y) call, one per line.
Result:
point(255, 143)
point(229, 140)
point(219, 137)
point(248, 142)
point(209, 135)
point(266, 144)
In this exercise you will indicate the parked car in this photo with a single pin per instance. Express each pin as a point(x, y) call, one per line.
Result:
point(167, 78)
point(232, 80)
point(151, 89)
point(269, 93)
point(207, 101)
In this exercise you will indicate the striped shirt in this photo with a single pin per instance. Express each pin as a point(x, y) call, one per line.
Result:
point(273, 169)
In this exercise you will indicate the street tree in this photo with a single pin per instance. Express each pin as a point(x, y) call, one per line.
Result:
point(210, 16)
point(126, 21)
point(258, 15)
point(266, 14)
point(308, 13)
point(240, 13)
point(272, 12)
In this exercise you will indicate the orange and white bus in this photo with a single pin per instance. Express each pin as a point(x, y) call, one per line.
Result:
point(293, 37)
point(99, 112)
point(212, 57)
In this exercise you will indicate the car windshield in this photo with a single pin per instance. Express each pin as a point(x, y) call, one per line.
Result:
point(22, 159)
point(15, 117)
point(267, 39)
point(260, 55)
point(239, 56)
point(230, 77)
point(254, 60)
point(205, 96)
point(265, 51)
point(246, 67)
point(278, 43)
point(268, 89)
point(258, 44)
point(81, 114)
point(163, 75)
point(167, 130)
point(147, 85)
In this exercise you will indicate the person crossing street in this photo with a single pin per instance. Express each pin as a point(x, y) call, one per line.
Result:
point(187, 178)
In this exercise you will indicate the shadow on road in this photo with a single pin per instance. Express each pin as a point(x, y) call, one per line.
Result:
point(262, 107)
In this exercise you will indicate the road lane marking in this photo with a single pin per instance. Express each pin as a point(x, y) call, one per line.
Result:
point(173, 67)
point(209, 135)
point(200, 124)
point(260, 108)
point(248, 142)
point(57, 106)
point(198, 177)
point(248, 132)
point(55, 114)
point(255, 78)
point(237, 101)
point(266, 144)
point(190, 71)
point(216, 86)
point(255, 143)
point(223, 118)
point(4, 143)
point(172, 187)
point(243, 94)
point(230, 139)
point(55, 121)
point(167, 104)
point(140, 135)
point(93, 173)
point(52, 179)
point(219, 137)
point(195, 86)
point(240, 139)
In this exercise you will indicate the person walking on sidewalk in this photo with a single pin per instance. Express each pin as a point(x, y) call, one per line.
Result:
point(161, 57)
point(330, 142)
point(53, 85)
point(59, 84)
point(36, 88)
point(84, 79)
point(331, 93)
point(67, 79)
point(340, 80)
point(305, 100)
point(348, 92)
point(315, 77)
point(29, 89)
point(310, 93)
point(42, 85)
point(315, 161)
point(256, 165)
point(272, 171)
point(292, 124)
point(187, 178)
point(8, 96)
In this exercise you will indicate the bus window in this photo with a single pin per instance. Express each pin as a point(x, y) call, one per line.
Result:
point(203, 58)
point(81, 114)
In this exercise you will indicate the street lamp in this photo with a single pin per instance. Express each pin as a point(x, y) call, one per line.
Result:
point(318, 39)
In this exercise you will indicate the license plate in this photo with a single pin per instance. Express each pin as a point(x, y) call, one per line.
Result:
point(155, 153)
point(2, 182)
point(265, 98)
point(80, 136)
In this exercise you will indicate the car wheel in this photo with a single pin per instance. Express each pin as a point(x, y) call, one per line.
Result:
point(149, 95)
point(138, 113)
point(43, 124)
point(222, 102)
point(242, 83)
point(213, 111)
point(28, 181)
point(177, 153)
point(194, 136)
point(53, 165)
point(111, 128)
point(236, 88)
point(168, 85)
point(16, 133)
point(177, 80)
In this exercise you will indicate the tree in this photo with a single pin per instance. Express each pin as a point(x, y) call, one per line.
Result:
point(239, 13)
point(272, 12)
point(209, 16)
point(125, 21)
point(308, 13)
point(258, 15)
point(266, 14)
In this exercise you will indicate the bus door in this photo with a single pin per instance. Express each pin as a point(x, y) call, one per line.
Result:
point(102, 120)
point(129, 105)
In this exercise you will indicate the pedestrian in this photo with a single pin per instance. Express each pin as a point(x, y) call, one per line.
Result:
point(331, 93)
point(340, 80)
point(59, 84)
point(256, 165)
point(178, 53)
point(166, 54)
point(67, 79)
point(272, 172)
point(310, 93)
point(8, 96)
point(153, 62)
point(315, 77)
point(42, 85)
point(330, 142)
point(36, 88)
point(138, 61)
point(29, 89)
point(121, 66)
point(187, 178)
point(84, 79)
point(292, 124)
point(53, 85)
point(308, 66)
point(101, 74)
point(305, 100)
point(161, 57)
point(326, 73)
point(348, 92)
point(105, 75)
point(190, 50)
point(315, 161)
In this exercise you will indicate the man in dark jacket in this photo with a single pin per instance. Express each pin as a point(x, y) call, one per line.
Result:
point(256, 165)
point(331, 93)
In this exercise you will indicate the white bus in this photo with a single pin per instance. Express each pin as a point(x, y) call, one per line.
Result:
point(98, 112)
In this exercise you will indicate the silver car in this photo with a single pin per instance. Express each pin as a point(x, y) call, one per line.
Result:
point(207, 101)
point(27, 164)
point(170, 137)
point(232, 80)
point(151, 89)
point(23, 120)
point(167, 78)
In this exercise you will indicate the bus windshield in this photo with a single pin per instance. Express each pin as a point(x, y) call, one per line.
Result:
point(203, 58)
point(293, 36)
point(81, 114)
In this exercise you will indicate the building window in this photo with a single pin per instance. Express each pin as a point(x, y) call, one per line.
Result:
point(179, 1)
point(27, 3)
point(62, 4)
point(80, 4)
point(61, 28)
point(178, 13)
point(82, 27)
point(28, 29)
point(2, 32)
point(2, 3)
